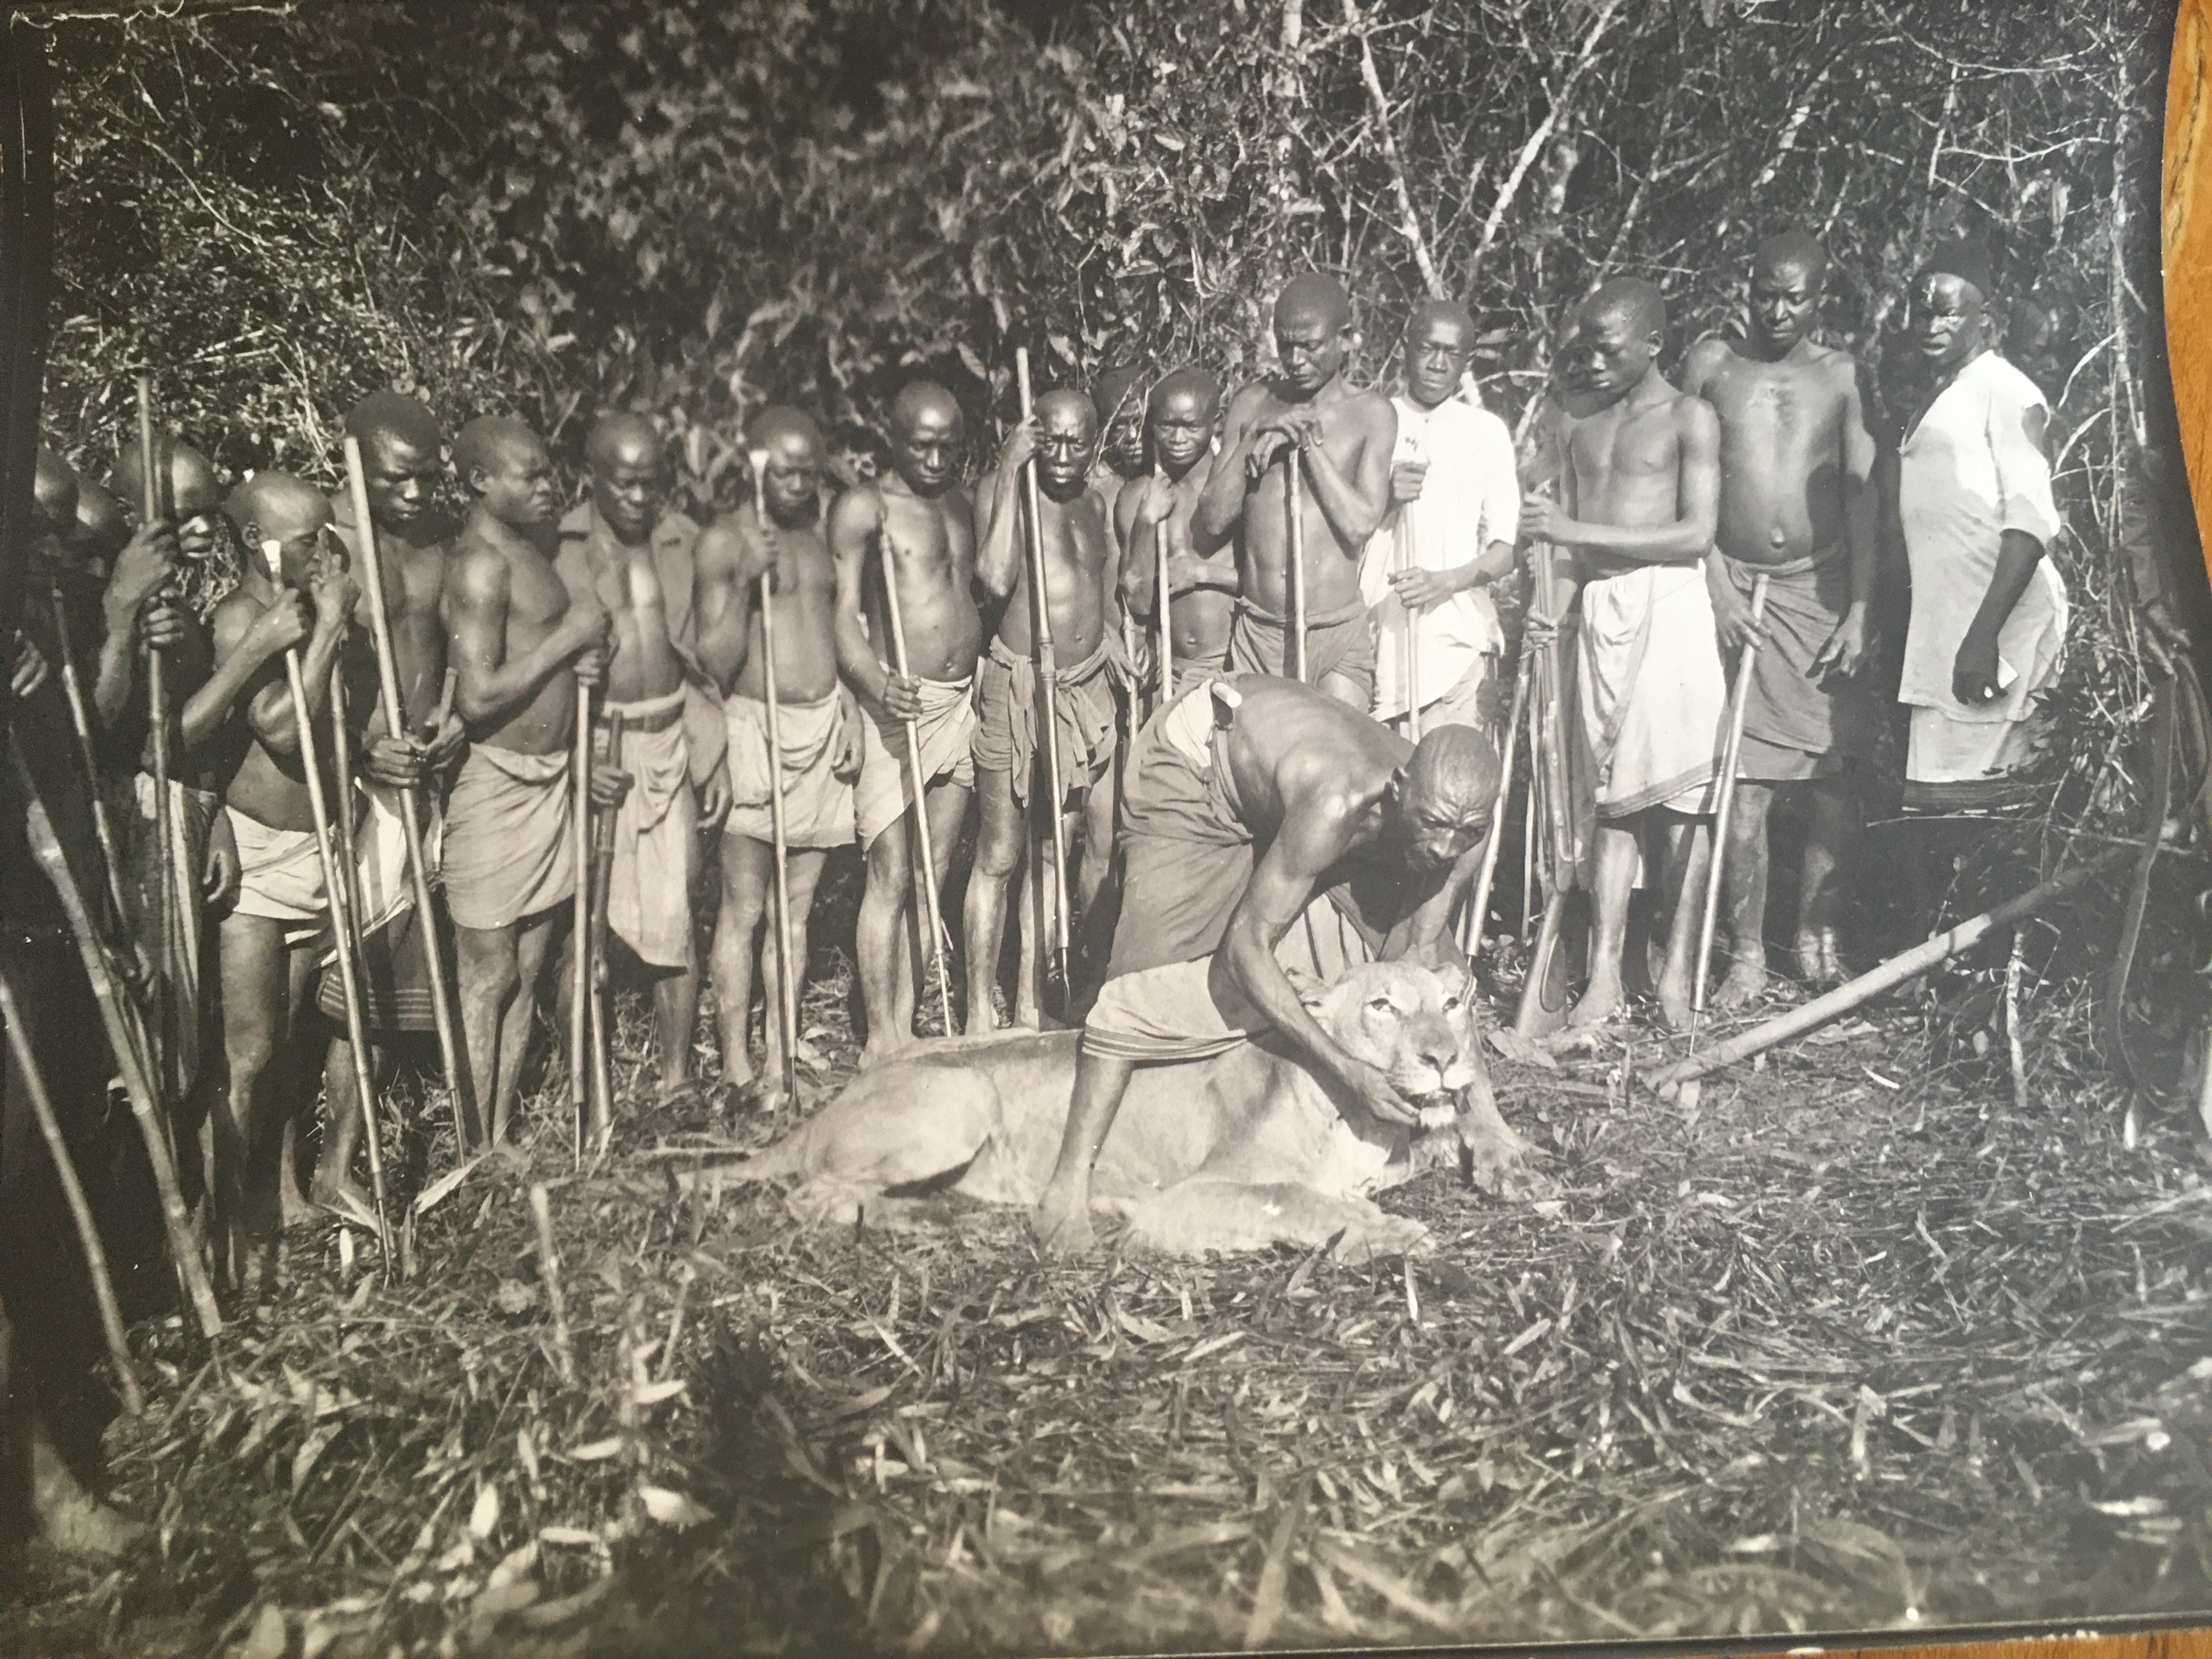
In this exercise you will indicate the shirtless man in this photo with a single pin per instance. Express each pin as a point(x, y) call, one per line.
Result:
point(269, 942)
point(620, 544)
point(1118, 396)
point(817, 725)
point(1640, 486)
point(1267, 827)
point(1343, 440)
point(922, 527)
point(1180, 419)
point(1797, 506)
point(520, 638)
point(1087, 647)
point(403, 460)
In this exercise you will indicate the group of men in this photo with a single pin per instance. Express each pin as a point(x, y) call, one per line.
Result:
point(1254, 825)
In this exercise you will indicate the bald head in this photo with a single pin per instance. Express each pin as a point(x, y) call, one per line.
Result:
point(1189, 386)
point(1432, 313)
point(275, 506)
point(623, 438)
point(1439, 343)
point(1314, 298)
point(1181, 418)
point(101, 528)
point(779, 425)
point(489, 441)
point(926, 428)
point(53, 492)
point(1630, 299)
point(1063, 407)
point(183, 477)
point(384, 416)
point(1448, 791)
point(1791, 250)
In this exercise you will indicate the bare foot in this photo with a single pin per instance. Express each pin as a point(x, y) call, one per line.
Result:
point(878, 1050)
point(1746, 983)
point(70, 1519)
point(1674, 989)
point(1600, 1003)
point(1821, 958)
point(1062, 1224)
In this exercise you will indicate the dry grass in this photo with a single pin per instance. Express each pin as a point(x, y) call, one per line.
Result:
point(1855, 1345)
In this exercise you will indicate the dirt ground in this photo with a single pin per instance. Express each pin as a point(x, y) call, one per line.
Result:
point(1855, 1342)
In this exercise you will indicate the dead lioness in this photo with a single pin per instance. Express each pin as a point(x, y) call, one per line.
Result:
point(1236, 1153)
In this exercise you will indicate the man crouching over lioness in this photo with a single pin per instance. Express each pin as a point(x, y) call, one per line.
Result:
point(1253, 807)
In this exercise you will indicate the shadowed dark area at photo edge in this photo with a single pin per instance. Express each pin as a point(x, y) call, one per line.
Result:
point(1900, 1327)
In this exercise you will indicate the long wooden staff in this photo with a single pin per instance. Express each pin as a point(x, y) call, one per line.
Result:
point(110, 861)
point(1540, 1014)
point(603, 881)
point(926, 861)
point(787, 990)
point(1906, 965)
point(157, 701)
point(337, 885)
point(1294, 642)
point(116, 1015)
point(580, 931)
point(88, 1231)
point(465, 1119)
point(1163, 607)
point(1471, 928)
point(1724, 798)
point(1406, 561)
point(1047, 669)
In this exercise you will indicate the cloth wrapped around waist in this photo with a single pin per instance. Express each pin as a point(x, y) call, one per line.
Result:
point(1652, 693)
point(1006, 728)
point(946, 732)
point(1338, 642)
point(1799, 723)
point(1186, 853)
point(510, 848)
point(650, 897)
point(817, 802)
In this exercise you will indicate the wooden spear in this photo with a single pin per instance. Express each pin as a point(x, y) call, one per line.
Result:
point(337, 885)
point(157, 704)
point(580, 931)
point(138, 1077)
point(466, 1120)
point(787, 990)
point(88, 1231)
point(1294, 628)
point(1725, 796)
point(603, 879)
point(926, 873)
point(1471, 928)
point(1905, 965)
point(1047, 669)
point(110, 861)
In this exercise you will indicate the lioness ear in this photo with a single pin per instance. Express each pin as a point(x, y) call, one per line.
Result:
point(1310, 990)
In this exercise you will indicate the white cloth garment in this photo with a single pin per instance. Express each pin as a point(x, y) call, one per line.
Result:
point(1968, 472)
point(1470, 498)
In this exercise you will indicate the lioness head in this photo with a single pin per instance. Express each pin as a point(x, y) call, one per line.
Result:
point(1409, 1024)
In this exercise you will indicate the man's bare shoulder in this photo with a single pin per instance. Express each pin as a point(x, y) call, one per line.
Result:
point(1694, 417)
point(715, 552)
point(1372, 410)
point(1708, 356)
point(478, 567)
point(857, 512)
point(1247, 403)
point(229, 621)
point(1833, 364)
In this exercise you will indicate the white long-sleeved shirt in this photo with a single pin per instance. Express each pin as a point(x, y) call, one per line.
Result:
point(1470, 498)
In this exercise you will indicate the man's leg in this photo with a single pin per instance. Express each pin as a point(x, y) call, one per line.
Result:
point(533, 947)
point(803, 866)
point(676, 1017)
point(1615, 879)
point(1743, 893)
point(1098, 812)
point(1833, 824)
point(1347, 688)
point(947, 803)
point(292, 1080)
point(251, 962)
point(490, 983)
point(1689, 854)
point(983, 927)
point(1063, 1212)
point(333, 1187)
point(748, 867)
point(882, 942)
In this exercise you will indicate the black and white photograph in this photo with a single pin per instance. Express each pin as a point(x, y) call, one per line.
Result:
point(1076, 827)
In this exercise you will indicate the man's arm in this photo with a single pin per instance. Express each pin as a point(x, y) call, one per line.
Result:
point(999, 548)
point(251, 646)
point(722, 601)
point(1684, 541)
point(1353, 503)
point(140, 569)
point(1221, 502)
point(855, 524)
point(1845, 649)
point(271, 712)
point(2030, 519)
point(1315, 834)
point(487, 688)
